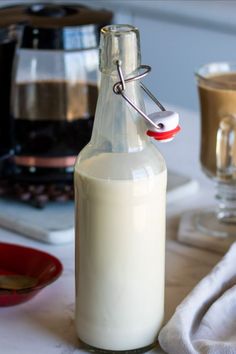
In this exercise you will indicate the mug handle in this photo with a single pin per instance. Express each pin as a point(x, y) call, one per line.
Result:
point(226, 148)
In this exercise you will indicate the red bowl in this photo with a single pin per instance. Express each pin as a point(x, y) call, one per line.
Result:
point(19, 260)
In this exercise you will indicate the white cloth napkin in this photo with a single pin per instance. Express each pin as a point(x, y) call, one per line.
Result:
point(205, 322)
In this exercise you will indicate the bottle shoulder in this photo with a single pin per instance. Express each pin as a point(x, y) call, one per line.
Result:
point(145, 163)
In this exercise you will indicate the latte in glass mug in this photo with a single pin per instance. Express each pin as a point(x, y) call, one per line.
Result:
point(217, 95)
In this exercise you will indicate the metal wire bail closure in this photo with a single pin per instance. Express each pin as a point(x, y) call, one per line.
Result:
point(163, 125)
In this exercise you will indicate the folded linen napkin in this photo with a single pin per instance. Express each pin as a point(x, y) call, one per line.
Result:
point(205, 322)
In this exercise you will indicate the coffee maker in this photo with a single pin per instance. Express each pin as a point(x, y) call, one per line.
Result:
point(54, 88)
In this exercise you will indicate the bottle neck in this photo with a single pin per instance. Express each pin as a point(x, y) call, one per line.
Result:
point(119, 42)
point(117, 126)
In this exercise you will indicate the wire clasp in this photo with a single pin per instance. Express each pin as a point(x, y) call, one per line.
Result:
point(120, 87)
point(164, 124)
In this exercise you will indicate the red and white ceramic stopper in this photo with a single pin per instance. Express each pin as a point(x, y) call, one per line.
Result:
point(168, 123)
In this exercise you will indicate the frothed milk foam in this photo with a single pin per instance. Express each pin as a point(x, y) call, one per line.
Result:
point(121, 230)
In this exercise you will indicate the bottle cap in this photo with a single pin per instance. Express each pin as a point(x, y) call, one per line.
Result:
point(168, 123)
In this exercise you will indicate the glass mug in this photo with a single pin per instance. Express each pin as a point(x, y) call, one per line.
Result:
point(217, 96)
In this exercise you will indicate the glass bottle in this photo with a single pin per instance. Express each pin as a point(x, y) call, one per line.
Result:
point(120, 189)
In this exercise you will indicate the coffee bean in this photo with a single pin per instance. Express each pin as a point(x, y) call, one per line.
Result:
point(39, 189)
point(61, 198)
point(37, 195)
point(25, 196)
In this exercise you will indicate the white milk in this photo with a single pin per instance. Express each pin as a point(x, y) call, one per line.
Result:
point(120, 270)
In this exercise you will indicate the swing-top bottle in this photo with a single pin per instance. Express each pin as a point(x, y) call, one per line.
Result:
point(120, 186)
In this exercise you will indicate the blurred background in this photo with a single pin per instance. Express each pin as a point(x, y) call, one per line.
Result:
point(176, 38)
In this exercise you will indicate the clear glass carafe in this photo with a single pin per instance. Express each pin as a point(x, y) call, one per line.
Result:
point(53, 100)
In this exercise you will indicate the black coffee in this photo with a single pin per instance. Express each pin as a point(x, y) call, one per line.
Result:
point(52, 119)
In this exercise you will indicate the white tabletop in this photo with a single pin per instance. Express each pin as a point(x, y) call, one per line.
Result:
point(45, 324)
